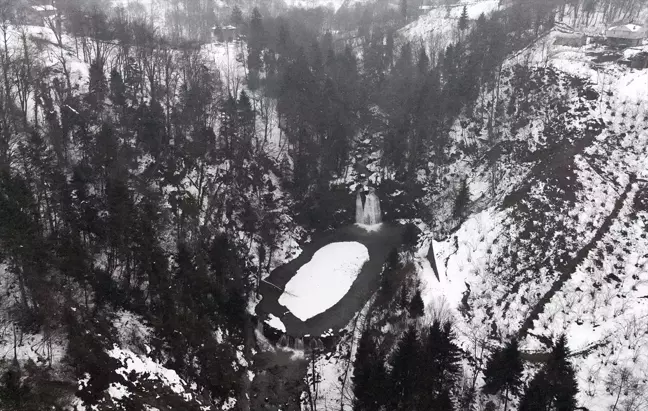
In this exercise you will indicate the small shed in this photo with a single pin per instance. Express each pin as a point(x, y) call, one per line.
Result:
point(626, 35)
point(230, 33)
point(225, 34)
point(38, 14)
point(571, 40)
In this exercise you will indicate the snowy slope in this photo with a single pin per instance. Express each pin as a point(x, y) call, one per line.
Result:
point(563, 249)
point(440, 23)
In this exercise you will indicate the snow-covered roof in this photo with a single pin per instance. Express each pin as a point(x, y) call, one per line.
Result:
point(47, 7)
point(627, 27)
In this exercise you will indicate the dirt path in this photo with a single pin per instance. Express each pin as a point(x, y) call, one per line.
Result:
point(379, 244)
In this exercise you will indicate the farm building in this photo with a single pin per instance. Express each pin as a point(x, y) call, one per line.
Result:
point(571, 40)
point(225, 34)
point(37, 14)
point(626, 35)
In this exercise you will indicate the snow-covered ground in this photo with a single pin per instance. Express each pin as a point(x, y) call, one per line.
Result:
point(439, 24)
point(276, 323)
point(602, 305)
point(325, 279)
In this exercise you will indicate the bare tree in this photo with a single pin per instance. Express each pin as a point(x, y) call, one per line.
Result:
point(629, 392)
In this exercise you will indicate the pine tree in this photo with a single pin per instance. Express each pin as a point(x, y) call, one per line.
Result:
point(256, 45)
point(443, 402)
point(117, 88)
point(410, 236)
point(463, 19)
point(555, 386)
point(440, 359)
point(504, 372)
point(405, 370)
point(246, 124)
point(416, 306)
point(403, 9)
point(462, 200)
point(228, 132)
point(537, 395)
point(423, 62)
point(389, 49)
point(562, 376)
point(237, 17)
point(369, 376)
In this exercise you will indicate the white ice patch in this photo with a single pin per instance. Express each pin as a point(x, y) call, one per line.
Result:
point(325, 279)
point(275, 322)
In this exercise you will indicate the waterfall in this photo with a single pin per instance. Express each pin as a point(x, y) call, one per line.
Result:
point(299, 344)
point(372, 213)
point(283, 341)
point(359, 209)
point(369, 213)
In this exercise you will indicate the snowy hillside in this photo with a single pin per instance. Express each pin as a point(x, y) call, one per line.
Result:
point(438, 26)
point(564, 252)
point(557, 236)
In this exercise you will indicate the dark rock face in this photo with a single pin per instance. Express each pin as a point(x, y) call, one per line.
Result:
point(432, 260)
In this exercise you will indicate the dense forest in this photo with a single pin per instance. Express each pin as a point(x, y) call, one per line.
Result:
point(165, 187)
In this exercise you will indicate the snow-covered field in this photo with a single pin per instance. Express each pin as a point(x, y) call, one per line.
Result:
point(325, 279)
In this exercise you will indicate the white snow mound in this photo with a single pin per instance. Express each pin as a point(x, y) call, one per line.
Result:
point(325, 279)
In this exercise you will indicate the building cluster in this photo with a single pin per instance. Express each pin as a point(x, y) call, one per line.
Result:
point(37, 13)
point(628, 36)
point(618, 36)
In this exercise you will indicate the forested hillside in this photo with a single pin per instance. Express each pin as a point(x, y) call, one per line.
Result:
point(158, 178)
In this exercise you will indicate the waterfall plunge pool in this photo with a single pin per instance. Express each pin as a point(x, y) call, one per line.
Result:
point(378, 244)
point(325, 279)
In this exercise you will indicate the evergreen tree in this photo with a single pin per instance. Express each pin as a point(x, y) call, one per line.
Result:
point(555, 386)
point(246, 123)
point(403, 9)
point(537, 395)
point(369, 376)
point(97, 85)
point(463, 19)
point(562, 376)
point(236, 17)
point(416, 306)
point(440, 359)
point(461, 201)
point(410, 236)
point(423, 62)
point(504, 372)
point(117, 88)
point(389, 49)
point(405, 371)
point(256, 44)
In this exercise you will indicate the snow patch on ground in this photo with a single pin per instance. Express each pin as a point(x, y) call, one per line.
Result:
point(325, 279)
point(275, 322)
point(440, 22)
point(145, 366)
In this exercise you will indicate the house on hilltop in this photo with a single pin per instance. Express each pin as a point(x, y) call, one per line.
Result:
point(37, 14)
point(226, 34)
point(625, 35)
